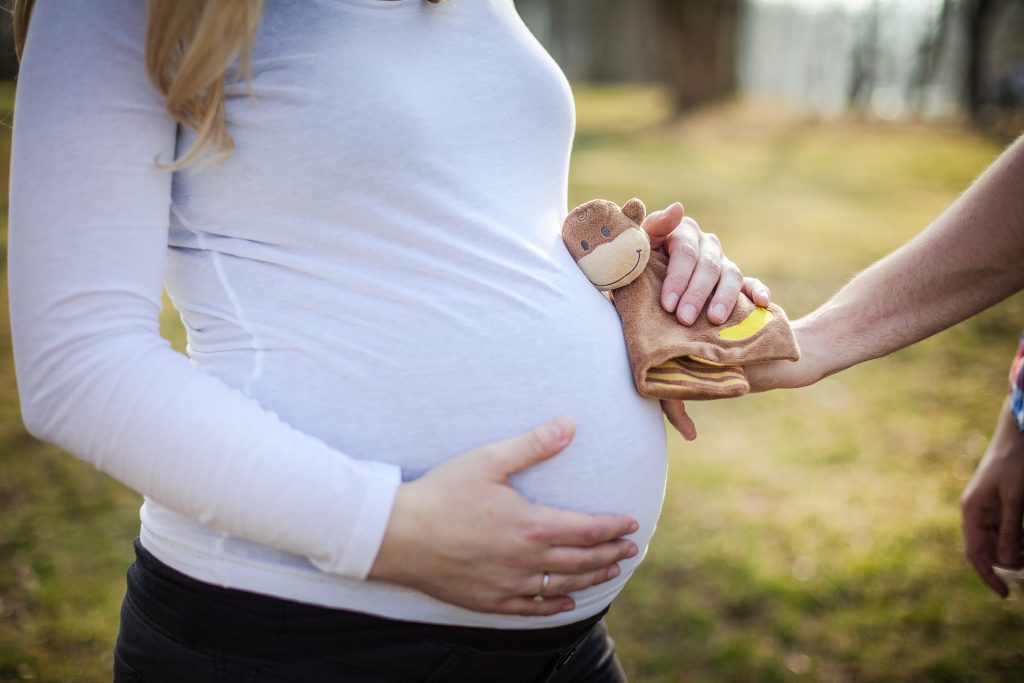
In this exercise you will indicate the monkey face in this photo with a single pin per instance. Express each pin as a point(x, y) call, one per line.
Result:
point(607, 242)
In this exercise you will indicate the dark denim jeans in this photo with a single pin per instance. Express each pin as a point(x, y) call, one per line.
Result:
point(177, 629)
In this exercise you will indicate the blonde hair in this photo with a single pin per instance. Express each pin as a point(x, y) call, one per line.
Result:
point(189, 46)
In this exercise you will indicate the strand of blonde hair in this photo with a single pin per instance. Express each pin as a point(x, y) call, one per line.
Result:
point(190, 44)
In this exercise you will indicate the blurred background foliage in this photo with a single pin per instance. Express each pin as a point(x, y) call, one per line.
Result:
point(884, 59)
point(809, 535)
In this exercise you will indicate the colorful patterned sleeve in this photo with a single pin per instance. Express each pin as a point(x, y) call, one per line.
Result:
point(1017, 384)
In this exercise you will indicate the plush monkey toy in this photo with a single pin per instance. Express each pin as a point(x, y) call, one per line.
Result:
point(669, 359)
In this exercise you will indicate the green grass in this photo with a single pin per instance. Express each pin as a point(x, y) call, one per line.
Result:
point(809, 535)
point(814, 534)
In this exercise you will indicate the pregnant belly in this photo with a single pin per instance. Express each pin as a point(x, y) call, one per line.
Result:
point(430, 392)
point(422, 394)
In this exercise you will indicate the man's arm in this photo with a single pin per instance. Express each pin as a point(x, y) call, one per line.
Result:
point(970, 258)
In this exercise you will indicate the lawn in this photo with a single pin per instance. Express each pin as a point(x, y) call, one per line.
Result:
point(810, 535)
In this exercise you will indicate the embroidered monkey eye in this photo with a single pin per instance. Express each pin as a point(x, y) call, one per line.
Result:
point(586, 245)
point(605, 231)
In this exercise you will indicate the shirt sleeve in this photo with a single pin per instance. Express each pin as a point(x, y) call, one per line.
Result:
point(1017, 384)
point(89, 217)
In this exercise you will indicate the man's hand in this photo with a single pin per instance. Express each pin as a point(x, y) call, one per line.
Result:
point(992, 505)
point(817, 349)
point(697, 270)
point(675, 411)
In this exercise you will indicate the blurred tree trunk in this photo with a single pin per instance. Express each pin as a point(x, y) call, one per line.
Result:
point(8, 62)
point(864, 60)
point(699, 43)
point(979, 15)
point(929, 55)
point(598, 40)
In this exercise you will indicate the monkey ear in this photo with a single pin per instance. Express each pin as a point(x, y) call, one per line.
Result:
point(635, 211)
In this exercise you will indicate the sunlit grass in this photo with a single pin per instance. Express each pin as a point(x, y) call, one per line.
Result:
point(806, 535)
point(813, 534)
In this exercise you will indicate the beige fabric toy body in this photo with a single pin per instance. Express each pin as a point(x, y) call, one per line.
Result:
point(669, 359)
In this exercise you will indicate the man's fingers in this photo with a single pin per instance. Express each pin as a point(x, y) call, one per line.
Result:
point(683, 253)
point(1008, 548)
point(756, 291)
point(726, 294)
point(528, 449)
point(660, 224)
point(675, 411)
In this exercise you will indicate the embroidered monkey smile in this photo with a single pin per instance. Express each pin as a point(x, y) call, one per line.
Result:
point(639, 256)
point(616, 262)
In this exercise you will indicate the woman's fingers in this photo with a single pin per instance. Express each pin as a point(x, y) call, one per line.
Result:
point(571, 560)
point(562, 527)
point(726, 294)
point(528, 449)
point(660, 224)
point(684, 249)
point(462, 534)
point(555, 597)
point(703, 280)
point(756, 291)
point(528, 607)
point(697, 268)
point(563, 584)
point(704, 277)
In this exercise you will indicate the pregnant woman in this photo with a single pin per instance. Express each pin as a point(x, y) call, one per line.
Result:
point(355, 205)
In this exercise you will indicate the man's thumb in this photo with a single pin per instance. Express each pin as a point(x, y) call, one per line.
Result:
point(532, 447)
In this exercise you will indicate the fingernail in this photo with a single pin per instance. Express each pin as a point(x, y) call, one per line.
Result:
point(718, 310)
point(632, 551)
point(763, 292)
point(670, 302)
point(568, 606)
point(633, 527)
point(689, 313)
point(614, 571)
point(557, 431)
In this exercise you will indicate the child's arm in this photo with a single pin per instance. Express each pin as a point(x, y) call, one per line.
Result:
point(992, 505)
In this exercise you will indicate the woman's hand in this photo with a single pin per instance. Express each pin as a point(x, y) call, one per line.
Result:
point(462, 534)
point(697, 270)
point(992, 505)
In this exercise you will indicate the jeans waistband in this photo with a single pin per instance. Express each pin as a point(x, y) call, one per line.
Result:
point(205, 615)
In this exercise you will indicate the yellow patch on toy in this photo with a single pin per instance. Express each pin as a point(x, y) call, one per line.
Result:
point(749, 326)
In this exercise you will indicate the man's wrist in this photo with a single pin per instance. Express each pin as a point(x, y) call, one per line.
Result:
point(816, 356)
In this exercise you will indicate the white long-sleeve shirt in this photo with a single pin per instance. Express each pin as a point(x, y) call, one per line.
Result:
point(373, 282)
